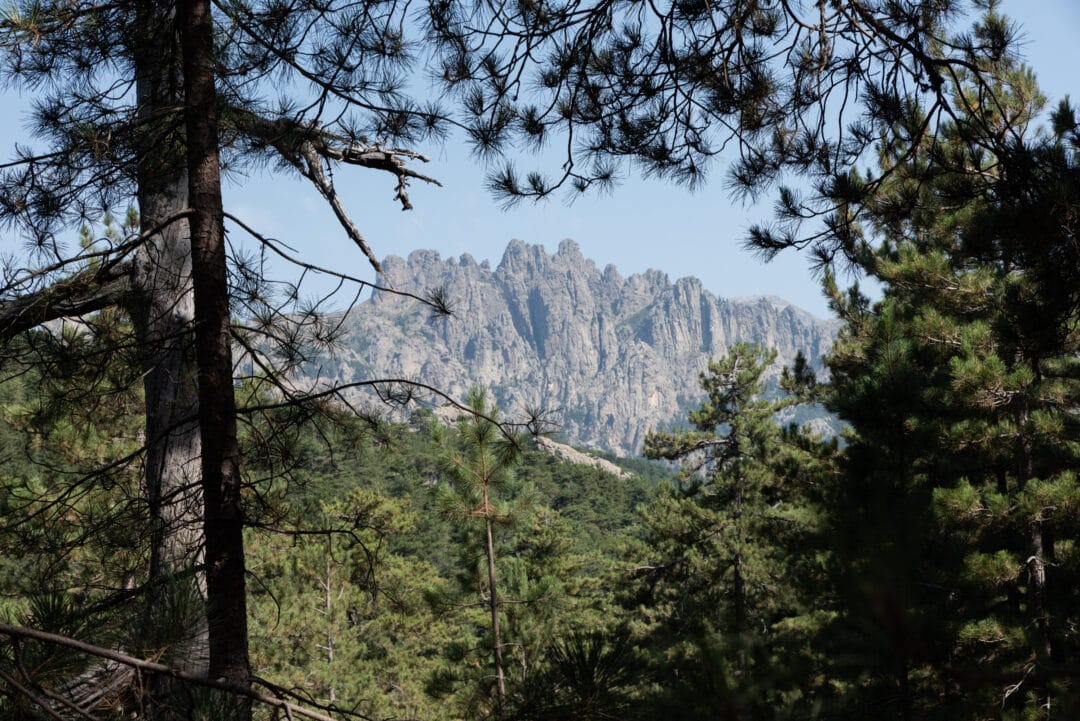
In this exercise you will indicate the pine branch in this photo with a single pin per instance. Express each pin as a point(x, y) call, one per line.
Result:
point(83, 293)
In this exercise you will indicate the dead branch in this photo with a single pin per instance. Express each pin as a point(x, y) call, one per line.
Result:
point(22, 632)
point(307, 147)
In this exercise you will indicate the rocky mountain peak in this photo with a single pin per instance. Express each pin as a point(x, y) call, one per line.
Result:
point(616, 355)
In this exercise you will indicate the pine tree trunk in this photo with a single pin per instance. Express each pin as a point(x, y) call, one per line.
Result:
point(329, 612)
point(1037, 574)
point(500, 677)
point(162, 309)
point(1036, 562)
point(223, 515)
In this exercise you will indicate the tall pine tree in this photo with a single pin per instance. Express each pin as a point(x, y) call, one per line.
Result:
point(735, 593)
point(956, 518)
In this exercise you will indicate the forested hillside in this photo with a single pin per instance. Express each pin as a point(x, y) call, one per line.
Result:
point(370, 587)
point(366, 590)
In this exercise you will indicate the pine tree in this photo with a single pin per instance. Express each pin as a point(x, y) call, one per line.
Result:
point(735, 545)
point(479, 461)
point(955, 521)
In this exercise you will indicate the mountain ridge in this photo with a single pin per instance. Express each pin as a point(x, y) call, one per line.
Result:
point(618, 355)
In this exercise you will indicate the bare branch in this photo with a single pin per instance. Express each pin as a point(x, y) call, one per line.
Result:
point(435, 300)
point(307, 147)
point(17, 632)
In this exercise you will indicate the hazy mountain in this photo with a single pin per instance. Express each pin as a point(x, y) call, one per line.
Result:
point(617, 355)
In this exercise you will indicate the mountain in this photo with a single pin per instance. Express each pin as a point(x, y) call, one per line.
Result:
point(617, 356)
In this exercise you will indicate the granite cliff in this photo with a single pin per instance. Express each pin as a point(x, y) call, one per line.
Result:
point(616, 355)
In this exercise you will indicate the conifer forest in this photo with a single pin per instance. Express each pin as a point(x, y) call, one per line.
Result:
point(194, 525)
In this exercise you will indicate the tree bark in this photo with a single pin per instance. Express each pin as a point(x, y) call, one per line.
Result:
point(162, 312)
point(223, 511)
point(500, 676)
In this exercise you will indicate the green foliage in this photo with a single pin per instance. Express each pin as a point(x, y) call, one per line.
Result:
point(732, 596)
point(478, 461)
point(586, 675)
point(339, 617)
point(955, 519)
point(70, 502)
point(410, 627)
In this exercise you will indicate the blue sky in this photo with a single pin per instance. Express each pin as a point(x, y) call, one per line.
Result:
point(643, 224)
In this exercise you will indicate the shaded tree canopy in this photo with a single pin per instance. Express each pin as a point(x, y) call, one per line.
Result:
point(954, 519)
point(780, 89)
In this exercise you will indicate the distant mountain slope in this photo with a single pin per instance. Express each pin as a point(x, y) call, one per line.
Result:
point(617, 355)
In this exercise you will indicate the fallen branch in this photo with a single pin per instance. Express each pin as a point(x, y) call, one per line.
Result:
point(161, 669)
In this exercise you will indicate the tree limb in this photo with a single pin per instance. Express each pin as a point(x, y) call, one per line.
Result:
point(14, 632)
point(91, 290)
point(102, 286)
point(307, 147)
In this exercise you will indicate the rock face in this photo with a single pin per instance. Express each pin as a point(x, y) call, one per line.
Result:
point(616, 356)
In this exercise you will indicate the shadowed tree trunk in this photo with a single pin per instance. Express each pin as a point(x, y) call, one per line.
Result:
point(223, 515)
